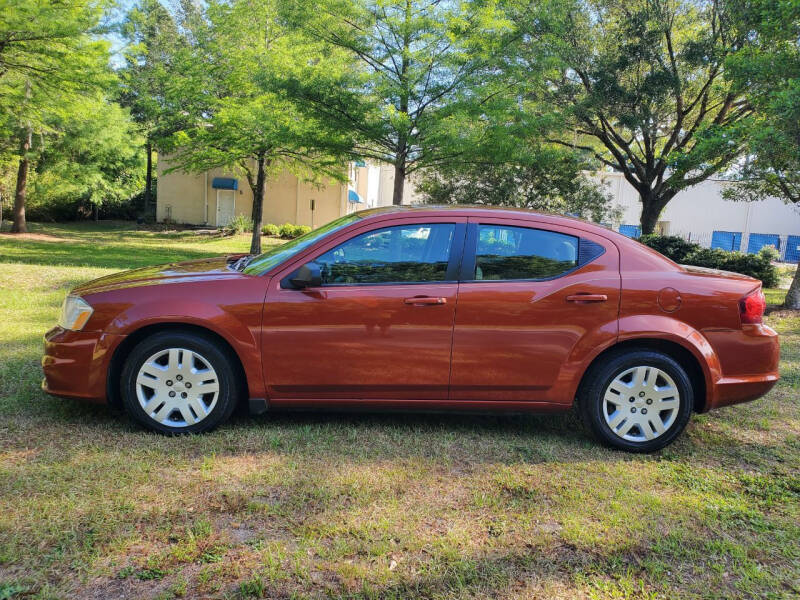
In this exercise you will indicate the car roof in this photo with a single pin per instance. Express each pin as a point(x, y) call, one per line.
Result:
point(466, 210)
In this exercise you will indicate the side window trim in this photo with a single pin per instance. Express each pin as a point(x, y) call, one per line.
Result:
point(469, 261)
point(453, 262)
point(456, 257)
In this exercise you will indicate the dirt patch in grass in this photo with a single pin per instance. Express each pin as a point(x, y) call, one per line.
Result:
point(34, 237)
point(781, 311)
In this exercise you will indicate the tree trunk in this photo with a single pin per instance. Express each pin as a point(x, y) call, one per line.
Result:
point(148, 182)
point(793, 295)
point(399, 184)
point(652, 206)
point(19, 225)
point(402, 138)
point(258, 204)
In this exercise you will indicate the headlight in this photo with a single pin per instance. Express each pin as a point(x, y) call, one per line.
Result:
point(74, 313)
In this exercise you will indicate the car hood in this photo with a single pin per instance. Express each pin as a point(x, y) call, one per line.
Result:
point(178, 272)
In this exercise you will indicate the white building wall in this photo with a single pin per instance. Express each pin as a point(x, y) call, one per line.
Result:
point(694, 213)
point(700, 210)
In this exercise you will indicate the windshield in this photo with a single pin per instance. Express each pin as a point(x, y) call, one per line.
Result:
point(269, 259)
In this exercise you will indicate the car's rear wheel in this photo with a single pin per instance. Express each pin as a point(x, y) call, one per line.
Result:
point(179, 382)
point(639, 400)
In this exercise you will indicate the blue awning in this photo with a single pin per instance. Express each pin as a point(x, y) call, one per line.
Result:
point(353, 197)
point(360, 163)
point(225, 183)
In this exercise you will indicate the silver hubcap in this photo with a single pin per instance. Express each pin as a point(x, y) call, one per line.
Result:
point(177, 387)
point(641, 404)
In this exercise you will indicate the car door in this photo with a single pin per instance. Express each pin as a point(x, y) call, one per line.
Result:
point(534, 298)
point(380, 324)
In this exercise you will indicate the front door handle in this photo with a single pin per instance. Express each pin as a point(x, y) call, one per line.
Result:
point(424, 301)
point(587, 298)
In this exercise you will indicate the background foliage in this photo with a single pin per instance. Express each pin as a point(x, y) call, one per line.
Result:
point(547, 179)
point(686, 253)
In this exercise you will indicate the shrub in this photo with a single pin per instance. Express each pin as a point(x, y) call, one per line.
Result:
point(301, 230)
point(240, 224)
point(770, 253)
point(755, 265)
point(270, 229)
point(289, 231)
point(286, 230)
point(671, 246)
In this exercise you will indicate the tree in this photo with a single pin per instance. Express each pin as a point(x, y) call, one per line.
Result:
point(768, 71)
point(239, 119)
point(48, 55)
point(91, 156)
point(45, 41)
point(416, 87)
point(154, 43)
point(547, 180)
point(639, 85)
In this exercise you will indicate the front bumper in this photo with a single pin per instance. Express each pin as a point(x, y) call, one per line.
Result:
point(75, 363)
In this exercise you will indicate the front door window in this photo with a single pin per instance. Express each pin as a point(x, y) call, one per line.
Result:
point(403, 254)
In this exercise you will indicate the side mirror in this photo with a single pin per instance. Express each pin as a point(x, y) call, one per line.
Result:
point(307, 276)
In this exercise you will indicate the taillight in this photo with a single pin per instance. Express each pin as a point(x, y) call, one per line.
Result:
point(752, 306)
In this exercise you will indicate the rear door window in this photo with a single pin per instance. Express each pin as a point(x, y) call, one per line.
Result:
point(506, 253)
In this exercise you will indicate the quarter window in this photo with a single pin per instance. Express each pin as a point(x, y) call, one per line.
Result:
point(505, 252)
point(402, 254)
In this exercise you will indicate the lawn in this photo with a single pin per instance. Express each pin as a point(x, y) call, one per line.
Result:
point(365, 506)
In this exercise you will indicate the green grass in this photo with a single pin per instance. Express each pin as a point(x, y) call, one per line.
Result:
point(365, 506)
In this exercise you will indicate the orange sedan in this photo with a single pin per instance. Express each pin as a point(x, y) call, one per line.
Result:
point(456, 308)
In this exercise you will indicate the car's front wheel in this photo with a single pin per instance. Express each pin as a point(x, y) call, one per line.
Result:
point(179, 382)
point(639, 400)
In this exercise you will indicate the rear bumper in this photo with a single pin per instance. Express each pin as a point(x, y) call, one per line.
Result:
point(75, 363)
point(749, 363)
point(734, 390)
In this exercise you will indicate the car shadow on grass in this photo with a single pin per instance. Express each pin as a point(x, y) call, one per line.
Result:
point(348, 436)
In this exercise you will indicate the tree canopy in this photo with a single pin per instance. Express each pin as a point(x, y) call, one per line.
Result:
point(637, 85)
point(155, 45)
point(49, 57)
point(238, 118)
point(414, 86)
point(505, 102)
point(91, 155)
point(548, 179)
point(767, 71)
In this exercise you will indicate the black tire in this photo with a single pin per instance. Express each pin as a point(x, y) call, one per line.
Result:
point(596, 381)
point(218, 358)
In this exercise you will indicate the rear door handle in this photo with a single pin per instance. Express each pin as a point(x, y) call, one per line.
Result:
point(425, 300)
point(587, 298)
